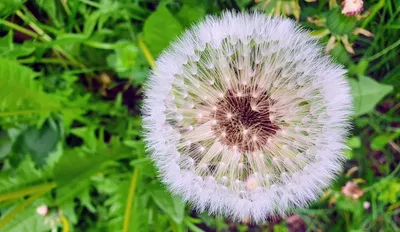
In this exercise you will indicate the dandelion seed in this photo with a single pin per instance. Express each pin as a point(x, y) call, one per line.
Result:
point(266, 136)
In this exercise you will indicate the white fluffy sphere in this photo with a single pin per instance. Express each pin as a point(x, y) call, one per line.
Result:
point(245, 117)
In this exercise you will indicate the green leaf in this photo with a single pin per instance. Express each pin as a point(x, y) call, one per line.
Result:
point(171, 205)
point(124, 59)
point(68, 38)
point(367, 93)
point(8, 7)
point(24, 175)
point(339, 23)
point(5, 144)
point(88, 136)
point(354, 142)
point(75, 165)
point(11, 50)
point(49, 6)
point(190, 14)
point(90, 23)
point(28, 221)
point(380, 141)
point(160, 29)
point(38, 143)
point(21, 96)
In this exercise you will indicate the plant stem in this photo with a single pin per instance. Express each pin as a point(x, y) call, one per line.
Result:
point(105, 46)
point(32, 60)
point(129, 202)
point(36, 28)
point(19, 28)
point(26, 191)
point(19, 209)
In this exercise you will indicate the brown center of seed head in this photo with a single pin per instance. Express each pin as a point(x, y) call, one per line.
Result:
point(243, 118)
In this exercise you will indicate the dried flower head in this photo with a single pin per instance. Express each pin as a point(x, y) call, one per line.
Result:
point(245, 117)
point(352, 190)
point(352, 7)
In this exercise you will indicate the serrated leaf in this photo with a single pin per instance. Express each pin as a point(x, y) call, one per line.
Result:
point(75, 165)
point(11, 50)
point(21, 96)
point(159, 29)
point(367, 93)
point(88, 136)
point(24, 175)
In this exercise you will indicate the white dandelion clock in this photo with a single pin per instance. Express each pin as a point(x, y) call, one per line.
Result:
point(245, 117)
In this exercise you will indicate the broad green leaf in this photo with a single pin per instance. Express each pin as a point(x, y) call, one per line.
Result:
point(367, 93)
point(160, 29)
point(190, 14)
point(21, 96)
point(171, 205)
point(380, 141)
point(38, 142)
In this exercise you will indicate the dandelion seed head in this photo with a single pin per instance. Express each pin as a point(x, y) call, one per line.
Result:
point(245, 117)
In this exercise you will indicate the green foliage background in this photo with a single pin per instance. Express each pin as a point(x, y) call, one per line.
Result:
point(71, 75)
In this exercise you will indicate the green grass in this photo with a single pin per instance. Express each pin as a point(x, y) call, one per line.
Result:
point(71, 76)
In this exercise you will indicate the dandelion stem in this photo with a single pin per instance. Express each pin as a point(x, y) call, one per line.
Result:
point(146, 52)
point(129, 202)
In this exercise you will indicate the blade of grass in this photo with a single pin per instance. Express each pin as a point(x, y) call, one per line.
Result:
point(18, 28)
point(384, 51)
